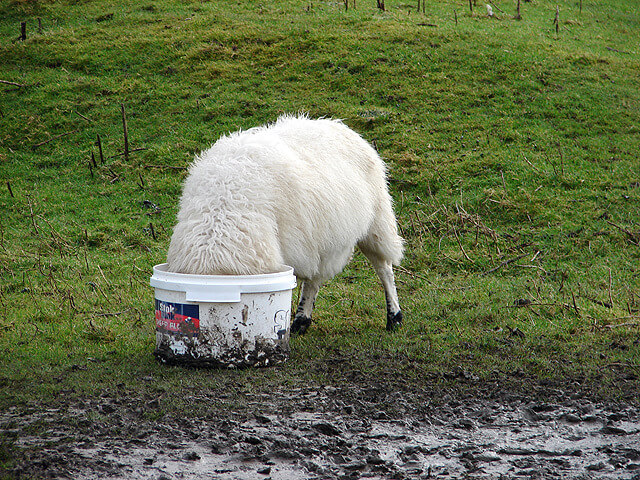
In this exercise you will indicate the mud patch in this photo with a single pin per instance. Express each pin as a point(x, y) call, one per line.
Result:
point(326, 433)
point(259, 352)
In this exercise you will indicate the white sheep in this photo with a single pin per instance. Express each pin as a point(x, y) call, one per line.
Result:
point(299, 192)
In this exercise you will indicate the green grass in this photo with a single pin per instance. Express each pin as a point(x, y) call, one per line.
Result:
point(513, 160)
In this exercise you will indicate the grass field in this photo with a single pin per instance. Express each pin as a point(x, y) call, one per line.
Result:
point(513, 157)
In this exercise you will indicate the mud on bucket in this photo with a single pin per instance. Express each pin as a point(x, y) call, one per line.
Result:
point(222, 320)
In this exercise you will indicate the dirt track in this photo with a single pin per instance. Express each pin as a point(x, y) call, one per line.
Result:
point(325, 432)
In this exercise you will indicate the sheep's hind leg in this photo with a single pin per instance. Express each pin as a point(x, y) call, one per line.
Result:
point(385, 273)
point(302, 319)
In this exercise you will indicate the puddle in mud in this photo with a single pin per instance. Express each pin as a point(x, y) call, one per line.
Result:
point(290, 439)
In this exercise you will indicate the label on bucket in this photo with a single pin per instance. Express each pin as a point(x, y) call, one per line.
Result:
point(177, 318)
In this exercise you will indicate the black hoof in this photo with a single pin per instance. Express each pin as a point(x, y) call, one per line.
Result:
point(394, 322)
point(300, 324)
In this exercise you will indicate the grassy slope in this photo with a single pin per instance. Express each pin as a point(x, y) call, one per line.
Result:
point(503, 140)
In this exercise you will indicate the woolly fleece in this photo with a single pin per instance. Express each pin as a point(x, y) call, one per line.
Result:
point(299, 192)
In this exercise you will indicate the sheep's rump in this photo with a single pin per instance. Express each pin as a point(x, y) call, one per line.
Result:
point(299, 192)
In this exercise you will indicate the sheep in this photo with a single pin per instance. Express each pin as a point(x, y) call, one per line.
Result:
point(300, 192)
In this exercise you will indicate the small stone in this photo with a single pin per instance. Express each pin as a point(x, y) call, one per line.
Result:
point(516, 451)
point(632, 454)
point(191, 456)
point(252, 440)
point(465, 423)
point(611, 430)
point(487, 457)
point(326, 428)
point(216, 449)
point(596, 467)
point(412, 449)
point(375, 460)
point(587, 408)
point(264, 471)
point(571, 418)
point(262, 419)
point(572, 452)
point(354, 466)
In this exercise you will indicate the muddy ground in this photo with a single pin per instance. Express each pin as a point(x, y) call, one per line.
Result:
point(344, 430)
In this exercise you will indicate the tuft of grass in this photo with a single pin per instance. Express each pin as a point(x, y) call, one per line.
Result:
point(513, 161)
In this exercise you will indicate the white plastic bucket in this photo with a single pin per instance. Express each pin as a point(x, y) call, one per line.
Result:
point(222, 320)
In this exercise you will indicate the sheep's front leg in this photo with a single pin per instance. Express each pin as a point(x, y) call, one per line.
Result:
point(302, 319)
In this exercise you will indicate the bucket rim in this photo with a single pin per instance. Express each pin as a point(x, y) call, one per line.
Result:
point(162, 269)
point(221, 288)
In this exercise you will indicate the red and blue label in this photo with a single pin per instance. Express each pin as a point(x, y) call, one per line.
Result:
point(177, 318)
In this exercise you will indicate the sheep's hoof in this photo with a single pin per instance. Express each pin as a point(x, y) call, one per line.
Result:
point(300, 324)
point(394, 322)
